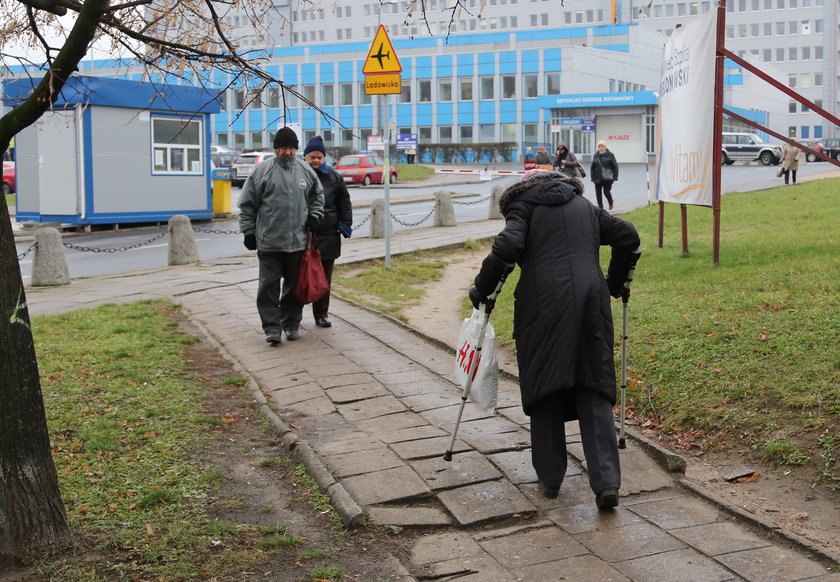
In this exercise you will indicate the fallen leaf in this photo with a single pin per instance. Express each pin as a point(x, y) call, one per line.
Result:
point(149, 529)
point(762, 337)
point(749, 478)
point(802, 515)
point(228, 419)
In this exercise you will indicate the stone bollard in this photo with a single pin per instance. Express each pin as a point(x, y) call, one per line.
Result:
point(182, 247)
point(495, 194)
point(377, 219)
point(444, 210)
point(49, 267)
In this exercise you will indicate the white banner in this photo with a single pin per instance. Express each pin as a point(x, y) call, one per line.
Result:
point(685, 158)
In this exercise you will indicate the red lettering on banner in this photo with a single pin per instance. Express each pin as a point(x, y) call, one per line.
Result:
point(624, 137)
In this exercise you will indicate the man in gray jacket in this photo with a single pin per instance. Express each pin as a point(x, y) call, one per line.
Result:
point(281, 199)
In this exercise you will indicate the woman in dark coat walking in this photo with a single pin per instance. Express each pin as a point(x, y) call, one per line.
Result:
point(338, 218)
point(566, 163)
point(563, 321)
point(604, 172)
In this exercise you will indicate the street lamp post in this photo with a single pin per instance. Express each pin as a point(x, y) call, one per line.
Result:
point(386, 155)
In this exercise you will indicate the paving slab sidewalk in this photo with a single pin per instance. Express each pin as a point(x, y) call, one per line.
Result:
point(373, 404)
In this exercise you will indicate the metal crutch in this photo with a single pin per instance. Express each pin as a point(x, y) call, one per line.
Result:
point(625, 299)
point(488, 308)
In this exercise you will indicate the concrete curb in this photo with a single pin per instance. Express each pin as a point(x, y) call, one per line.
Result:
point(351, 514)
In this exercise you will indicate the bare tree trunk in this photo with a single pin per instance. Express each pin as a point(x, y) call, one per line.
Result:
point(32, 515)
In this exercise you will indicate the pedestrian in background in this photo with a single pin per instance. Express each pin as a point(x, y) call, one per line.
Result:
point(566, 163)
point(337, 221)
point(790, 162)
point(562, 321)
point(280, 200)
point(604, 171)
point(542, 158)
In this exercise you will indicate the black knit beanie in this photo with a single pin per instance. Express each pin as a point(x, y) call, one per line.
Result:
point(286, 137)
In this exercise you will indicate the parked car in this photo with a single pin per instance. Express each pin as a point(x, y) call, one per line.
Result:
point(244, 165)
point(831, 147)
point(328, 159)
point(223, 157)
point(748, 147)
point(814, 144)
point(364, 169)
point(8, 177)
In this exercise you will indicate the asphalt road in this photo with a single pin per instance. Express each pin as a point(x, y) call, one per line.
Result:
point(219, 239)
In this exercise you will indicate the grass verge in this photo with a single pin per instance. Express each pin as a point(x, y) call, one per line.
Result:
point(409, 172)
point(742, 354)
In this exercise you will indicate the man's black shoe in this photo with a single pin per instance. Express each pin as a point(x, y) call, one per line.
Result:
point(292, 335)
point(273, 337)
point(323, 322)
point(607, 499)
point(549, 492)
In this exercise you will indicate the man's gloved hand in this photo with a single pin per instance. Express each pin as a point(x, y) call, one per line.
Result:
point(251, 242)
point(476, 298)
point(617, 290)
point(312, 222)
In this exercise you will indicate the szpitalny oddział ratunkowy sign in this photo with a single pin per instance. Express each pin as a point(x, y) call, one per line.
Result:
point(685, 155)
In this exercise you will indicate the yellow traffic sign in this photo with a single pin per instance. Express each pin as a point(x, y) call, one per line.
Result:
point(381, 57)
point(389, 84)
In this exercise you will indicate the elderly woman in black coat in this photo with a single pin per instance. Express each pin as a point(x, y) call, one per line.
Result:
point(604, 171)
point(338, 218)
point(563, 321)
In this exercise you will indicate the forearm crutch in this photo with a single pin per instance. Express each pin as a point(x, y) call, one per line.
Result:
point(488, 308)
point(625, 299)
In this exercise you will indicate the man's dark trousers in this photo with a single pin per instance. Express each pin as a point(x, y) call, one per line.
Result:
point(278, 309)
point(597, 431)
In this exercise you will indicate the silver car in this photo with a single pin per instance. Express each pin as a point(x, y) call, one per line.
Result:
point(244, 165)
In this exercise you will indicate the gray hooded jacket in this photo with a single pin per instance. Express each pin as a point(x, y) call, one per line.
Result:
point(276, 201)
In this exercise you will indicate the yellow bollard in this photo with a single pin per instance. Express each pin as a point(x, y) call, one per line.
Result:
point(221, 190)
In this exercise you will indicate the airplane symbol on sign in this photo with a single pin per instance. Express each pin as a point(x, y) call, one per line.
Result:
point(380, 55)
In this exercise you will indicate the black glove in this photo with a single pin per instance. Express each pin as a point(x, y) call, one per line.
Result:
point(250, 242)
point(312, 222)
point(476, 297)
point(617, 290)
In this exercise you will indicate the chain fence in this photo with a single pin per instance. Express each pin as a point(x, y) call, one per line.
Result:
point(217, 231)
point(410, 224)
point(472, 202)
point(27, 251)
point(116, 249)
point(363, 221)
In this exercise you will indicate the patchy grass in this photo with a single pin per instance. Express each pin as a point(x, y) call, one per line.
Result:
point(410, 172)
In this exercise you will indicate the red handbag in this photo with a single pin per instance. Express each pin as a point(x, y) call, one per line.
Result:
point(311, 282)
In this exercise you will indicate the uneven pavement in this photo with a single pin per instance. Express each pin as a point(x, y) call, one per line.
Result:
point(369, 406)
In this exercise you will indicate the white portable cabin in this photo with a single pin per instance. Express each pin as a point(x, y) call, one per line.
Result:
point(113, 151)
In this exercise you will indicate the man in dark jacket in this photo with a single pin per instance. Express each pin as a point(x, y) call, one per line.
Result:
point(280, 199)
point(604, 171)
point(562, 321)
point(338, 218)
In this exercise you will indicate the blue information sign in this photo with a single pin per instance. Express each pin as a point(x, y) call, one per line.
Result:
point(588, 125)
point(407, 141)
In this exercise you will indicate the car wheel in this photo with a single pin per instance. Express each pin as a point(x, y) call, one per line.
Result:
point(811, 157)
point(366, 180)
point(725, 160)
point(393, 178)
point(7, 188)
point(766, 158)
point(837, 156)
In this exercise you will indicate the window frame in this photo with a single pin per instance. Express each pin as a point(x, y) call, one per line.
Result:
point(168, 147)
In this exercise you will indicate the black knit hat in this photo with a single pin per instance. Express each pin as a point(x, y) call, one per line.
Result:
point(286, 137)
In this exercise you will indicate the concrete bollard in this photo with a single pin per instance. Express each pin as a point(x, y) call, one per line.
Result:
point(377, 219)
point(182, 247)
point(495, 194)
point(444, 209)
point(49, 267)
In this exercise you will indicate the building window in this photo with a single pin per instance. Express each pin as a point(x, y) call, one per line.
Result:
point(529, 85)
point(508, 132)
point(793, 53)
point(445, 134)
point(239, 140)
point(327, 96)
point(767, 55)
point(818, 26)
point(487, 87)
point(780, 28)
point(465, 85)
point(309, 93)
point(257, 140)
point(273, 97)
point(508, 86)
point(346, 90)
point(445, 89)
point(792, 81)
point(818, 131)
point(424, 91)
point(466, 132)
point(239, 98)
point(793, 27)
point(818, 53)
point(364, 98)
point(791, 106)
point(176, 146)
point(405, 93)
point(806, 53)
point(529, 134)
point(552, 83)
point(818, 79)
point(791, 131)
point(780, 55)
point(487, 132)
point(768, 29)
point(424, 134)
point(222, 139)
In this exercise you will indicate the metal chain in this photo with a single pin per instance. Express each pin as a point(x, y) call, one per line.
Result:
point(424, 219)
point(117, 249)
point(215, 231)
point(27, 251)
point(474, 202)
point(363, 221)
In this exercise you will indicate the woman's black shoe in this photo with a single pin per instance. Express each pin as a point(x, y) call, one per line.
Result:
point(323, 322)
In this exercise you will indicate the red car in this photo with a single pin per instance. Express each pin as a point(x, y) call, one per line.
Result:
point(364, 169)
point(8, 177)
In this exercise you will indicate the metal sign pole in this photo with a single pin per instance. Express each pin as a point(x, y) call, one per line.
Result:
point(386, 179)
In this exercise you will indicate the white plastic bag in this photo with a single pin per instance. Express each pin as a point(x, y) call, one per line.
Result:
point(484, 390)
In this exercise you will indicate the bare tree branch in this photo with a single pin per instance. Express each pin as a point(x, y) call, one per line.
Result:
point(48, 5)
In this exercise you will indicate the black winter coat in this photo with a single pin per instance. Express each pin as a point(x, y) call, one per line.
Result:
point(562, 318)
point(601, 161)
point(337, 208)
